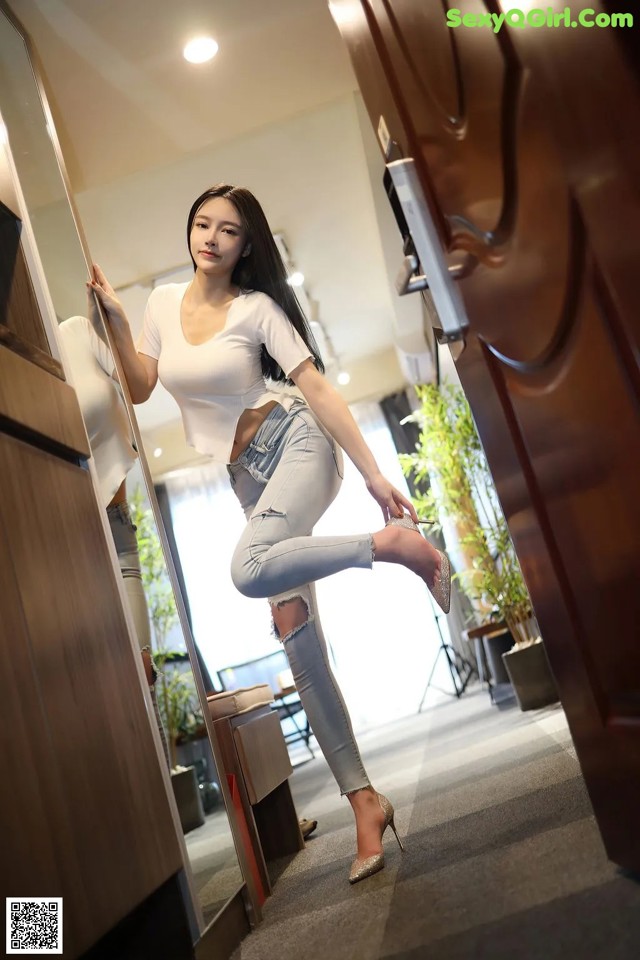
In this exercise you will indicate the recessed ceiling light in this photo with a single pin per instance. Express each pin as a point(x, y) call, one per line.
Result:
point(157, 452)
point(200, 49)
point(344, 378)
point(296, 279)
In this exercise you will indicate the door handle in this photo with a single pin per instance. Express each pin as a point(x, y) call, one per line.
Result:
point(408, 281)
point(436, 275)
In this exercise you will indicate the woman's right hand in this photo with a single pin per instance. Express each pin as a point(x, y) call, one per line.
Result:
point(107, 297)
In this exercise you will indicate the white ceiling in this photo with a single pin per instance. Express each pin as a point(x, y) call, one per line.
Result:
point(124, 99)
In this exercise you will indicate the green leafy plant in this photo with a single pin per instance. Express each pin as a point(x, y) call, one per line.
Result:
point(451, 473)
point(177, 695)
point(157, 586)
point(179, 705)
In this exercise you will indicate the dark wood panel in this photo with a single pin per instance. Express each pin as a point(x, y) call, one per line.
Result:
point(32, 808)
point(35, 405)
point(118, 830)
point(532, 163)
point(155, 929)
point(224, 933)
point(458, 137)
point(20, 323)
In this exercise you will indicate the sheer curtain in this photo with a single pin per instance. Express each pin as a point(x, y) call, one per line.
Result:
point(379, 624)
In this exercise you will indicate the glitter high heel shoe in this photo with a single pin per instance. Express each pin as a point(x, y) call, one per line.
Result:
point(441, 590)
point(361, 869)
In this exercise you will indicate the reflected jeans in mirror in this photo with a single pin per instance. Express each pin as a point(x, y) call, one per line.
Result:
point(124, 536)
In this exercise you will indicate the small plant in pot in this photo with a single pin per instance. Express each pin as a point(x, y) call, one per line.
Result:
point(158, 591)
point(454, 484)
point(178, 702)
point(177, 697)
point(180, 710)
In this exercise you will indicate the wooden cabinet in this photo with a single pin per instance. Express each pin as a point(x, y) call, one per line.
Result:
point(83, 803)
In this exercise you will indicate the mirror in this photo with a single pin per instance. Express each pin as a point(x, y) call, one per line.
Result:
point(177, 691)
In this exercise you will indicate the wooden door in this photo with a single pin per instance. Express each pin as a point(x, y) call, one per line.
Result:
point(84, 807)
point(527, 146)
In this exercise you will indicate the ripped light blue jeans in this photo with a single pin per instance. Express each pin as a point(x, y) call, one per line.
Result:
point(124, 537)
point(285, 480)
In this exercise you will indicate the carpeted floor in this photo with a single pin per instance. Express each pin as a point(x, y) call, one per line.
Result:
point(503, 860)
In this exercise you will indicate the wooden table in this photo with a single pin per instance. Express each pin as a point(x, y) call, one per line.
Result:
point(257, 766)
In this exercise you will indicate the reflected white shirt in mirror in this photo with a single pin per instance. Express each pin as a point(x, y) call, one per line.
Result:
point(89, 361)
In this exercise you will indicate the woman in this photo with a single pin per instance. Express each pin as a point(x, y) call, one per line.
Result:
point(215, 342)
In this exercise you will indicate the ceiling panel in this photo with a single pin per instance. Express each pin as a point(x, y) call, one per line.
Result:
point(125, 100)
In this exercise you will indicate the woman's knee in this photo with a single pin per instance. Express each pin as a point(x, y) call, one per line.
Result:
point(289, 615)
point(244, 575)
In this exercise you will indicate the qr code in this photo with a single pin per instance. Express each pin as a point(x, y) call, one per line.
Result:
point(34, 925)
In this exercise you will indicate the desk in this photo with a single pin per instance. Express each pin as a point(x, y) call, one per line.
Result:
point(254, 754)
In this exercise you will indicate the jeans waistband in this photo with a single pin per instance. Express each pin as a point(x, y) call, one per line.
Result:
point(120, 511)
point(262, 453)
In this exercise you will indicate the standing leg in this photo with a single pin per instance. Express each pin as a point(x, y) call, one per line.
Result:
point(297, 625)
point(296, 621)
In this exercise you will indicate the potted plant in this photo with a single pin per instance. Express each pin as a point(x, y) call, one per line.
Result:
point(451, 473)
point(178, 701)
point(157, 586)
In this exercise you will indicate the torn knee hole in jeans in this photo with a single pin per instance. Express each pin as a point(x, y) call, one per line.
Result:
point(305, 616)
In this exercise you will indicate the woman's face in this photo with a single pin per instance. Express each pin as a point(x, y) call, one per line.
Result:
point(217, 239)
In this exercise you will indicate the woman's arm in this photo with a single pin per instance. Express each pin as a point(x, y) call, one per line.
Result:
point(333, 412)
point(141, 371)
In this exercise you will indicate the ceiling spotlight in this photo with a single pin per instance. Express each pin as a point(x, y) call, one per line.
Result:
point(343, 378)
point(157, 452)
point(296, 279)
point(200, 49)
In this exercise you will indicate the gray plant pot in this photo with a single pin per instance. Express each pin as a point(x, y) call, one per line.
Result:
point(494, 647)
point(187, 794)
point(530, 676)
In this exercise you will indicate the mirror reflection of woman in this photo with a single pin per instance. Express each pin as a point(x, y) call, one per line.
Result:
point(216, 343)
point(111, 441)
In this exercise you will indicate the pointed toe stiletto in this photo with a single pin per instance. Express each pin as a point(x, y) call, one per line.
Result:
point(441, 590)
point(361, 869)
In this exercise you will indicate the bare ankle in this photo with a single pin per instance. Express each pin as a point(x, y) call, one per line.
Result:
point(361, 797)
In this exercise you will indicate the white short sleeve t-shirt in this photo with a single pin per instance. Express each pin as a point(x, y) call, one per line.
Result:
point(215, 381)
point(103, 410)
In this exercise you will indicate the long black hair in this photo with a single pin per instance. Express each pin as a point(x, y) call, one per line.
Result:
point(262, 269)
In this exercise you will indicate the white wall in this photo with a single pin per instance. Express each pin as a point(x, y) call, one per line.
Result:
point(310, 175)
